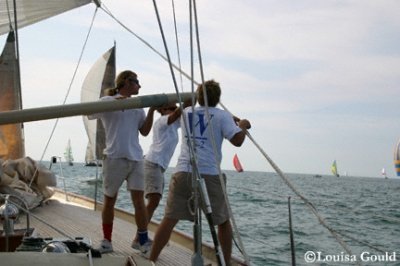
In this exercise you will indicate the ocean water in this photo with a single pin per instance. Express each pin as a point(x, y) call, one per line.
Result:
point(365, 211)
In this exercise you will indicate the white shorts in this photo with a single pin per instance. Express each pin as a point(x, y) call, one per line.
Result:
point(115, 171)
point(153, 178)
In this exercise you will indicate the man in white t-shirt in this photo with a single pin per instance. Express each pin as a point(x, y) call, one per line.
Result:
point(124, 158)
point(165, 139)
point(202, 130)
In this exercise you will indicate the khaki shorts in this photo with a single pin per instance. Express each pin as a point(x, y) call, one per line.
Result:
point(180, 191)
point(116, 171)
point(153, 178)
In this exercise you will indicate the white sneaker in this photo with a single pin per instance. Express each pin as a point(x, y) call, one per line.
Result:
point(136, 245)
point(105, 246)
point(144, 249)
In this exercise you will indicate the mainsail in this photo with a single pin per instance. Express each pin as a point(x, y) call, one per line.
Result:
point(32, 11)
point(397, 158)
point(11, 136)
point(100, 77)
point(334, 169)
point(12, 144)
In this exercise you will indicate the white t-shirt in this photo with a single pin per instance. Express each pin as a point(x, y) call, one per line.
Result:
point(223, 126)
point(165, 139)
point(122, 131)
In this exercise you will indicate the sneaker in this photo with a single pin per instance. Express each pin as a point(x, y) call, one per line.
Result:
point(144, 249)
point(136, 244)
point(105, 246)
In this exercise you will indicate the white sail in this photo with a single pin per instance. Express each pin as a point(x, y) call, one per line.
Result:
point(100, 77)
point(11, 136)
point(32, 11)
point(68, 153)
point(384, 172)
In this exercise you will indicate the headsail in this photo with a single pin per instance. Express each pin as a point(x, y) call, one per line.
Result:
point(32, 11)
point(397, 158)
point(11, 136)
point(100, 77)
point(334, 169)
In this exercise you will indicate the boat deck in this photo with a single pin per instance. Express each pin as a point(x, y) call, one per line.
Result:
point(73, 219)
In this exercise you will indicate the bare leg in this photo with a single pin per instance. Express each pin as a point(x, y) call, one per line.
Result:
point(140, 209)
point(225, 238)
point(153, 201)
point(152, 204)
point(107, 214)
point(162, 236)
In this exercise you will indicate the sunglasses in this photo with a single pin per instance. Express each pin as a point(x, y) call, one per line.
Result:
point(133, 80)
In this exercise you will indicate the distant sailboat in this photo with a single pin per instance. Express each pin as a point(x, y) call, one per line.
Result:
point(334, 169)
point(397, 158)
point(68, 153)
point(237, 164)
point(100, 77)
point(384, 173)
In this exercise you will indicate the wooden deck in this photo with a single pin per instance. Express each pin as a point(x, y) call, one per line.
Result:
point(76, 218)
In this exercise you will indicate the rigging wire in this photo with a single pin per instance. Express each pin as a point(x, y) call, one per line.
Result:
point(218, 249)
point(221, 176)
point(207, 114)
point(197, 221)
point(206, 104)
point(177, 43)
point(69, 89)
point(108, 12)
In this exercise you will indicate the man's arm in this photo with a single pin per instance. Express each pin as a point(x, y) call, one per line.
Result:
point(148, 123)
point(238, 139)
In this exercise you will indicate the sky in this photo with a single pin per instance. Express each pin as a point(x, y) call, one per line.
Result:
point(318, 80)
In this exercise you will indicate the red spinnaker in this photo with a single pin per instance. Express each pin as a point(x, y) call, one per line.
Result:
point(237, 164)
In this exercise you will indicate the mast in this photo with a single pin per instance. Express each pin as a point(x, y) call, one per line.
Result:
point(17, 81)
